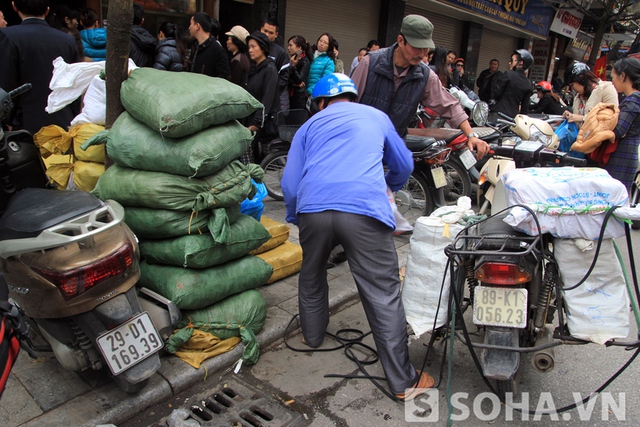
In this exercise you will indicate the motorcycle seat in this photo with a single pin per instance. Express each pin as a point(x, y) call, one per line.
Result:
point(441, 134)
point(418, 144)
point(33, 210)
point(497, 233)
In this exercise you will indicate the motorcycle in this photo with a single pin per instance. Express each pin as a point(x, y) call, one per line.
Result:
point(71, 265)
point(425, 189)
point(461, 169)
point(511, 278)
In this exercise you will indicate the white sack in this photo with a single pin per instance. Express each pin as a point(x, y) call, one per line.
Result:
point(94, 104)
point(425, 269)
point(597, 310)
point(69, 81)
point(570, 202)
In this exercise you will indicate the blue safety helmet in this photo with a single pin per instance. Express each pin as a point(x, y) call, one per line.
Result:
point(333, 85)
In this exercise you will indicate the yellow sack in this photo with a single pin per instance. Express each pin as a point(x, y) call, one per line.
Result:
point(286, 260)
point(80, 133)
point(52, 139)
point(59, 169)
point(204, 345)
point(279, 234)
point(86, 174)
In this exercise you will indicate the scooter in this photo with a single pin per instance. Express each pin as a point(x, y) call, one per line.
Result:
point(71, 265)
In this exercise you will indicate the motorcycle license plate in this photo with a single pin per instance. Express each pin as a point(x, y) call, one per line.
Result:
point(437, 172)
point(500, 307)
point(129, 343)
point(467, 158)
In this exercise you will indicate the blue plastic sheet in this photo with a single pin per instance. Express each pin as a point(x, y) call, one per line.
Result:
point(254, 207)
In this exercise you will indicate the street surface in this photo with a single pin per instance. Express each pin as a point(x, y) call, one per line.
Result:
point(297, 386)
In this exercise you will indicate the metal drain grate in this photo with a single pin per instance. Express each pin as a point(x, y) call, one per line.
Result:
point(239, 404)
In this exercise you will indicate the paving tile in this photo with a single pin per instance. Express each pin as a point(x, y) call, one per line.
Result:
point(17, 405)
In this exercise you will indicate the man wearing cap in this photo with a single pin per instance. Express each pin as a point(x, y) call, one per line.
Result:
point(237, 45)
point(395, 80)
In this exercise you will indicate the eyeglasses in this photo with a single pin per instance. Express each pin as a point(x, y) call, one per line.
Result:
point(459, 65)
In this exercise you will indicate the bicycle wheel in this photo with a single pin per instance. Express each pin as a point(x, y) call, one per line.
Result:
point(458, 181)
point(414, 199)
point(273, 165)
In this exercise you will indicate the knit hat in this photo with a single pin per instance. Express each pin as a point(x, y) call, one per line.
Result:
point(261, 39)
point(417, 31)
point(238, 32)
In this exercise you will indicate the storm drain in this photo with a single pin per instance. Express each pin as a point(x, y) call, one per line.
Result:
point(239, 404)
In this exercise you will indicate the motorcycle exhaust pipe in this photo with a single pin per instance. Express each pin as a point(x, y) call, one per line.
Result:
point(544, 360)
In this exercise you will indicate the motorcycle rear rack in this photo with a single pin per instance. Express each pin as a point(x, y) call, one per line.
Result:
point(467, 245)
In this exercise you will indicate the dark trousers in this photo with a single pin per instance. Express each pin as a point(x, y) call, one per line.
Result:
point(368, 244)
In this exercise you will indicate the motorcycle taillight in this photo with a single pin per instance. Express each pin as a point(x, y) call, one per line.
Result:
point(79, 280)
point(497, 273)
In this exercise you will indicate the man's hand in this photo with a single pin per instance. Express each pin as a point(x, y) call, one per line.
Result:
point(479, 146)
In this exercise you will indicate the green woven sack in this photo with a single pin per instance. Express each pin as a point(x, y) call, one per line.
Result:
point(135, 145)
point(241, 315)
point(181, 104)
point(131, 187)
point(191, 288)
point(149, 223)
point(201, 251)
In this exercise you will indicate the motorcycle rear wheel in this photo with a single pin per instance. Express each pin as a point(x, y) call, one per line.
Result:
point(414, 198)
point(458, 181)
point(273, 165)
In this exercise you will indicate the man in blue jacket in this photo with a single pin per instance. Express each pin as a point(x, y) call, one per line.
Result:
point(334, 187)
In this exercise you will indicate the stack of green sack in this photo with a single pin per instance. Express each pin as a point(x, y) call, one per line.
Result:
point(175, 172)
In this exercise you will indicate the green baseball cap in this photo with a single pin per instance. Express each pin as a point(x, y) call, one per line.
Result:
point(417, 30)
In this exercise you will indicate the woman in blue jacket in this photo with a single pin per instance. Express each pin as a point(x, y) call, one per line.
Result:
point(323, 61)
point(94, 38)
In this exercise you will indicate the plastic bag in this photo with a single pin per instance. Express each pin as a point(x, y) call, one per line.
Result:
point(402, 225)
point(567, 133)
point(254, 206)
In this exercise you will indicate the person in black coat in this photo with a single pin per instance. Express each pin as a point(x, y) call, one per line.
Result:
point(484, 80)
point(262, 84)
point(28, 51)
point(142, 49)
point(549, 102)
point(300, 52)
point(208, 56)
point(169, 52)
point(512, 89)
point(237, 46)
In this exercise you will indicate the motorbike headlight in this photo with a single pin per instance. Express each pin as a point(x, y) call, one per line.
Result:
point(480, 113)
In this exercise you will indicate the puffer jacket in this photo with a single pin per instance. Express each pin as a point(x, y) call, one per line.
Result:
point(167, 56)
point(94, 41)
point(320, 67)
point(598, 127)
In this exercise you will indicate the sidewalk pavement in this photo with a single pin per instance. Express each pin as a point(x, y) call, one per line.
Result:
point(41, 393)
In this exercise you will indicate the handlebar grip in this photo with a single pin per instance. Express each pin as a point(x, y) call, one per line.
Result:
point(20, 90)
point(574, 161)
